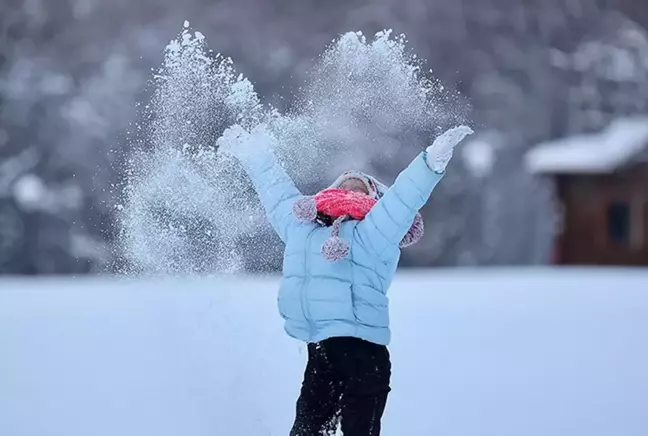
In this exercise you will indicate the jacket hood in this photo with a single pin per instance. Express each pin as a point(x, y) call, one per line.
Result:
point(375, 188)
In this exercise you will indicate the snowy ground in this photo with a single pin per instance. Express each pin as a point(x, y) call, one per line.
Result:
point(490, 353)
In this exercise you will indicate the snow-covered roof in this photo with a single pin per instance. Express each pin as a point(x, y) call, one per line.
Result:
point(601, 152)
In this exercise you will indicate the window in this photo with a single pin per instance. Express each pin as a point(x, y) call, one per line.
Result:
point(619, 223)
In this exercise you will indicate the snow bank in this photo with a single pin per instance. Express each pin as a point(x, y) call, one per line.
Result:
point(592, 153)
point(497, 353)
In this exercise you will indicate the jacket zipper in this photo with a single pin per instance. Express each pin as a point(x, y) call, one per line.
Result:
point(304, 290)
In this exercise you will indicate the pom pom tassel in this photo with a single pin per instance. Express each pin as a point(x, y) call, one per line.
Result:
point(336, 248)
point(305, 209)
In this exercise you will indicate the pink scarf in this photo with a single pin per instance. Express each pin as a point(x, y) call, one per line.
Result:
point(340, 205)
point(340, 202)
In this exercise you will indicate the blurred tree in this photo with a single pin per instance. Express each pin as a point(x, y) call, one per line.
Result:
point(60, 115)
point(606, 74)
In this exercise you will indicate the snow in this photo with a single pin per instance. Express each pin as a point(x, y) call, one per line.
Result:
point(357, 99)
point(616, 51)
point(601, 152)
point(479, 156)
point(29, 191)
point(475, 352)
point(615, 63)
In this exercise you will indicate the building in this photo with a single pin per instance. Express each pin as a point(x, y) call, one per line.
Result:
point(601, 182)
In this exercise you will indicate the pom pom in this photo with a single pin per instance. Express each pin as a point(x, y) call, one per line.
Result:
point(415, 232)
point(335, 248)
point(305, 209)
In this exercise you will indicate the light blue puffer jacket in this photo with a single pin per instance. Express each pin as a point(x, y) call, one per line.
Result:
point(319, 299)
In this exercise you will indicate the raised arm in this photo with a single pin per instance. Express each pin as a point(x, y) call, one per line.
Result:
point(391, 218)
point(274, 187)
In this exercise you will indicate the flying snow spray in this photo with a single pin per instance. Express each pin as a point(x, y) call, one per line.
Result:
point(189, 210)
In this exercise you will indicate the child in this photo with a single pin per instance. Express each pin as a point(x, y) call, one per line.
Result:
point(342, 250)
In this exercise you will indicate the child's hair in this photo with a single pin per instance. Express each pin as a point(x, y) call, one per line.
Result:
point(324, 219)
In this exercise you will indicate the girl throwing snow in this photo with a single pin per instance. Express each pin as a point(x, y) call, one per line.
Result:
point(342, 250)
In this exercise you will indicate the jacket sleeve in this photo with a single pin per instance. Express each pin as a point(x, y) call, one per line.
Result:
point(274, 187)
point(392, 216)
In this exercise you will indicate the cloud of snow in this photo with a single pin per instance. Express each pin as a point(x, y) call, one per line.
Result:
point(189, 210)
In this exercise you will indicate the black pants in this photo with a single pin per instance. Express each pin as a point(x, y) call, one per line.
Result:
point(346, 381)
